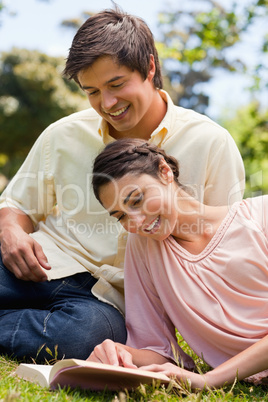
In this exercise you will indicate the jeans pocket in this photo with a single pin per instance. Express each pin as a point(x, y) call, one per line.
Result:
point(78, 285)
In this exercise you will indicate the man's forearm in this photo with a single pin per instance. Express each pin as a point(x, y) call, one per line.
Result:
point(12, 217)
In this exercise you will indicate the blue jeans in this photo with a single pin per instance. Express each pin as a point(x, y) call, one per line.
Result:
point(61, 315)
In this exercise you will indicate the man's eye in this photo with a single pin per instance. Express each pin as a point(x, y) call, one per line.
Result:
point(90, 93)
point(117, 85)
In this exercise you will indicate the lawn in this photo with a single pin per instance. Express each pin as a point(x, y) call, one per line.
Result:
point(14, 389)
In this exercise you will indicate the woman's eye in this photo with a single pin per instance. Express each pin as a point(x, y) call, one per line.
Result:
point(137, 200)
point(121, 217)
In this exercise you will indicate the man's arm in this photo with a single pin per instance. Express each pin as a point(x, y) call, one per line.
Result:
point(21, 254)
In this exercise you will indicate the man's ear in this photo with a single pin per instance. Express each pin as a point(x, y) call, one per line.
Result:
point(165, 173)
point(151, 72)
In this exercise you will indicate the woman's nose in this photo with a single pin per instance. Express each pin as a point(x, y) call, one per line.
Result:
point(135, 222)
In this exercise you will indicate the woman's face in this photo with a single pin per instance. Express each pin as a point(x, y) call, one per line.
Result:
point(143, 204)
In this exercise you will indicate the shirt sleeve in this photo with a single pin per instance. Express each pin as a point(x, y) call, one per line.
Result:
point(148, 325)
point(225, 181)
point(211, 167)
point(32, 188)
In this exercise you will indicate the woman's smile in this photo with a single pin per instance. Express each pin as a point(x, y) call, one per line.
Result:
point(153, 227)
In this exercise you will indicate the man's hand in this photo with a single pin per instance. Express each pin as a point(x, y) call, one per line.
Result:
point(24, 257)
point(109, 352)
point(21, 254)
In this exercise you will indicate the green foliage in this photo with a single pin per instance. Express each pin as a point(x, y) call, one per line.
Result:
point(249, 128)
point(75, 23)
point(2, 7)
point(194, 43)
point(33, 94)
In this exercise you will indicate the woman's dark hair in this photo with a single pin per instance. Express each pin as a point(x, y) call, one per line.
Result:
point(129, 155)
point(124, 37)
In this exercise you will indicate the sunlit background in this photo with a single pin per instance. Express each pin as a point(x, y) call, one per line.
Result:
point(234, 92)
point(36, 24)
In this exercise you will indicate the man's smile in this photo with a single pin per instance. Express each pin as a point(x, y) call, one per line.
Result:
point(118, 112)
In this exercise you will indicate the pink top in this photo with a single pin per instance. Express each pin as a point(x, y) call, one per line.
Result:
point(218, 299)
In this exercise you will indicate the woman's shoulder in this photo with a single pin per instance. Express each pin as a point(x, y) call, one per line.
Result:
point(135, 241)
point(143, 244)
point(255, 206)
point(254, 210)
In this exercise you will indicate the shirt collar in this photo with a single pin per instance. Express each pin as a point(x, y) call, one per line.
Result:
point(160, 135)
point(103, 131)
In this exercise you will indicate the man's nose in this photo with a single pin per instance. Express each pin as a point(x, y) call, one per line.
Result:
point(108, 100)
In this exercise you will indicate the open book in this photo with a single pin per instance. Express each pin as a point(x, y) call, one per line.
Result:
point(87, 375)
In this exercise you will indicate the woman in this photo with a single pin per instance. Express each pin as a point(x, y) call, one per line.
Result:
point(197, 268)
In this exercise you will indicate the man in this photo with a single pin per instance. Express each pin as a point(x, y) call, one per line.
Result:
point(61, 275)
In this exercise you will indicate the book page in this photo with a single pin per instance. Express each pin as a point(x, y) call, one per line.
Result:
point(37, 373)
point(98, 376)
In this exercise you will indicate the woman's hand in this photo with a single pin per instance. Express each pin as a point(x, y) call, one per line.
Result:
point(196, 381)
point(113, 353)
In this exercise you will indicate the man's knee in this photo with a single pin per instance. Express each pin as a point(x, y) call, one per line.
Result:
point(70, 328)
point(73, 330)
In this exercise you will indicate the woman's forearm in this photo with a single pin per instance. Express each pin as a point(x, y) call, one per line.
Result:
point(251, 361)
point(117, 354)
point(144, 357)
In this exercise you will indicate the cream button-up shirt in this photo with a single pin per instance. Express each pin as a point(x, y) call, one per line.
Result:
point(53, 187)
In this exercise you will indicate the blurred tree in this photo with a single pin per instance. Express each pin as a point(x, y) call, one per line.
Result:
point(1, 9)
point(33, 94)
point(195, 38)
point(249, 128)
point(75, 23)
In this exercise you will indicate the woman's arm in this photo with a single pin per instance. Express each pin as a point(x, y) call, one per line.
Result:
point(118, 354)
point(251, 361)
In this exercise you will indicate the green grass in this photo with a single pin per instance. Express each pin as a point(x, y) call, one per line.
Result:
point(13, 389)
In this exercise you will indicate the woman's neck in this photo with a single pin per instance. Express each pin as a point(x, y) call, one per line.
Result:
point(197, 223)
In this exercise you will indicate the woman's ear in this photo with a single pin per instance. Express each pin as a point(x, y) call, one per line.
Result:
point(165, 173)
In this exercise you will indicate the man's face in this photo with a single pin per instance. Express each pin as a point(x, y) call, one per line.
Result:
point(119, 95)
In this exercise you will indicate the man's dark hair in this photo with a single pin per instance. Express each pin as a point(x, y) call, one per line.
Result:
point(124, 37)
